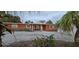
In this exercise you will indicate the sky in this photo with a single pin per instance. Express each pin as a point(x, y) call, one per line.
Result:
point(36, 16)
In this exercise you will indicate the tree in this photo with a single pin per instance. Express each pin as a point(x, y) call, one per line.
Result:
point(16, 19)
point(6, 18)
point(67, 21)
point(2, 27)
point(2, 12)
point(29, 22)
point(49, 22)
point(42, 21)
point(9, 18)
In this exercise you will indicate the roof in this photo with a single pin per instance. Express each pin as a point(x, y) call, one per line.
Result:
point(28, 23)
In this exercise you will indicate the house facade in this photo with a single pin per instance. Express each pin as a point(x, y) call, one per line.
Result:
point(31, 27)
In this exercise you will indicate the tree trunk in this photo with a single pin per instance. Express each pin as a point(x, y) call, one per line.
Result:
point(0, 42)
point(77, 37)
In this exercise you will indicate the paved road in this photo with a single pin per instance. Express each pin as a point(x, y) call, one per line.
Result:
point(24, 36)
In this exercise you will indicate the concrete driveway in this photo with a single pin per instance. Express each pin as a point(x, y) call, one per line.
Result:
point(24, 36)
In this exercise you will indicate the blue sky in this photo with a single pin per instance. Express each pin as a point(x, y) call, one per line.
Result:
point(37, 16)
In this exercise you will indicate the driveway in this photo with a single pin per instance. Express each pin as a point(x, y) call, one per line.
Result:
point(24, 36)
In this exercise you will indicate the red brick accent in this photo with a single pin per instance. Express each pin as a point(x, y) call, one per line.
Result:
point(45, 27)
point(21, 26)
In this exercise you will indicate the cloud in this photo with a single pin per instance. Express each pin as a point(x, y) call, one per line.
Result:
point(41, 15)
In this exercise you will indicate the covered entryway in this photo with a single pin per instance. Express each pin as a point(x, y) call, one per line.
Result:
point(36, 27)
point(44, 27)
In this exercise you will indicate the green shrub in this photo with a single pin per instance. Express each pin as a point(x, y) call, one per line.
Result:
point(45, 41)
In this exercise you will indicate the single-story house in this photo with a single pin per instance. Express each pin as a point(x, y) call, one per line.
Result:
point(31, 26)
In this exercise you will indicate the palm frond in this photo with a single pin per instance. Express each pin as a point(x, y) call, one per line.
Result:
point(4, 27)
point(65, 23)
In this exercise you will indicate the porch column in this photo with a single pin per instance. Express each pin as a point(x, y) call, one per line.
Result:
point(41, 28)
point(32, 27)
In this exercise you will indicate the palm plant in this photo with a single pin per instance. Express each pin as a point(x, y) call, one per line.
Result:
point(70, 19)
point(2, 27)
point(45, 41)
